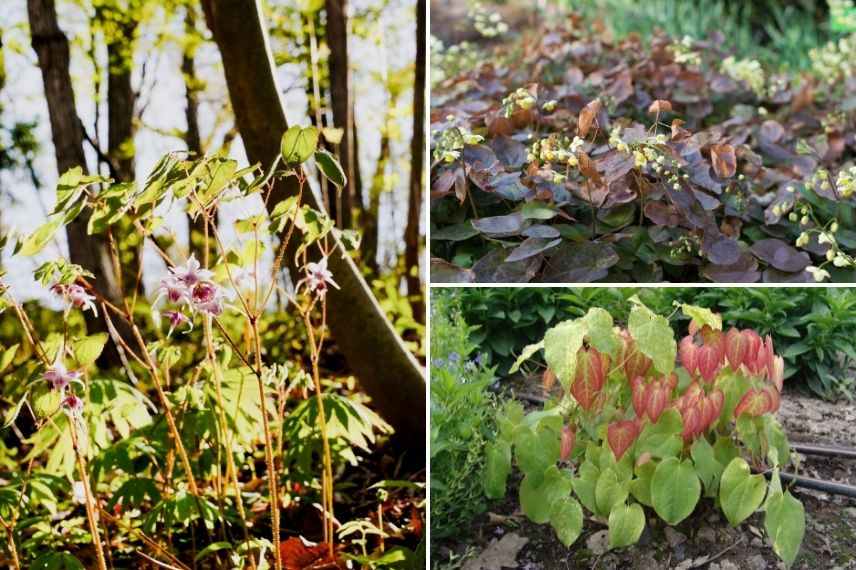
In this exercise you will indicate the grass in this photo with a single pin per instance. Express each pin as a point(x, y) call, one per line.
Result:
point(778, 35)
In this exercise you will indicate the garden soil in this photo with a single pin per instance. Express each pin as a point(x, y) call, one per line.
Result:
point(504, 538)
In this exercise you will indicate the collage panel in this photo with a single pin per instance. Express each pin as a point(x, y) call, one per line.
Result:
point(212, 299)
point(642, 427)
point(616, 141)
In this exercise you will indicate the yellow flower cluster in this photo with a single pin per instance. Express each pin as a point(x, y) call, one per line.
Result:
point(489, 24)
point(748, 71)
point(556, 149)
point(520, 99)
point(451, 141)
point(834, 62)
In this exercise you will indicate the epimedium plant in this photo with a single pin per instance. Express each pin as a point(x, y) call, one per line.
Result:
point(175, 461)
point(624, 162)
point(644, 421)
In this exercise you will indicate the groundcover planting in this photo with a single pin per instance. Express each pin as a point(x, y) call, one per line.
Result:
point(563, 155)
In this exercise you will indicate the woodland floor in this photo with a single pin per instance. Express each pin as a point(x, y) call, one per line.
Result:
point(504, 538)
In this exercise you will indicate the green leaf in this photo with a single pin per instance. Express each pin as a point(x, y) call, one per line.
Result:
point(330, 167)
point(211, 549)
point(640, 487)
point(497, 468)
point(538, 211)
point(702, 316)
point(298, 144)
point(566, 516)
point(779, 450)
point(609, 492)
point(537, 447)
point(707, 467)
point(88, 349)
point(585, 483)
point(527, 353)
point(675, 490)
point(785, 524)
point(654, 337)
point(600, 332)
point(36, 242)
point(662, 439)
point(740, 492)
point(8, 356)
point(626, 523)
point(537, 499)
point(561, 344)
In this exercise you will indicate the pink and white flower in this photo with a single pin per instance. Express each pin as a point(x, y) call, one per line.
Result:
point(77, 296)
point(176, 319)
point(191, 272)
point(59, 377)
point(72, 405)
point(318, 277)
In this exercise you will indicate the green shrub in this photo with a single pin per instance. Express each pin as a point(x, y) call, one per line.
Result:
point(814, 328)
point(461, 418)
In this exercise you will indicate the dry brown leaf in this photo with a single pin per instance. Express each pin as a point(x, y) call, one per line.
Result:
point(724, 160)
point(587, 117)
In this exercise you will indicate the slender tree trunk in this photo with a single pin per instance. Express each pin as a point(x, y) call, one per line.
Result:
point(412, 238)
point(371, 224)
point(384, 366)
point(121, 100)
point(90, 252)
point(196, 227)
point(342, 204)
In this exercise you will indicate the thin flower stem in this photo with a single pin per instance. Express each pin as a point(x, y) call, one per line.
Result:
point(231, 470)
point(272, 475)
point(10, 542)
point(327, 479)
point(90, 509)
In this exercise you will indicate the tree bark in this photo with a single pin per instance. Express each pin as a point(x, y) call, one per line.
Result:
point(412, 239)
point(90, 252)
point(341, 206)
point(371, 219)
point(386, 369)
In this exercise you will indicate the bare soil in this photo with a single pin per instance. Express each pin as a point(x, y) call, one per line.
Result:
point(703, 540)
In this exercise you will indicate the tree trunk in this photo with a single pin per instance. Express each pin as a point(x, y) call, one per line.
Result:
point(384, 366)
point(343, 111)
point(412, 239)
point(192, 137)
point(371, 219)
point(90, 252)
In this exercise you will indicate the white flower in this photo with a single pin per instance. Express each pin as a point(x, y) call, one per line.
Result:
point(191, 272)
point(802, 240)
point(818, 273)
point(318, 276)
point(77, 296)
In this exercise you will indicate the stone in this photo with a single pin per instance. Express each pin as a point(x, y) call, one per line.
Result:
point(674, 537)
point(598, 543)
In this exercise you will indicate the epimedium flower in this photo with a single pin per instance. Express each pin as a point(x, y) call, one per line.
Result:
point(318, 277)
point(77, 296)
point(59, 377)
point(191, 272)
point(72, 405)
point(176, 319)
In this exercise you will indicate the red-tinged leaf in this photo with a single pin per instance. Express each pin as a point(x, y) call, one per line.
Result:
point(587, 117)
point(736, 347)
point(548, 380)
point(708, 362)
point(588, 378)
point(643, 459)
point(692, 422)
point(753, 403)
point(688, 354)
point(777, 373)
point(657, 400)
point(569, 437)
point(634, 362)
point(717, 399)
point(724, 160)
point(775, 398)
point(639, 391)
point(660, 106)
point(621, 436)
